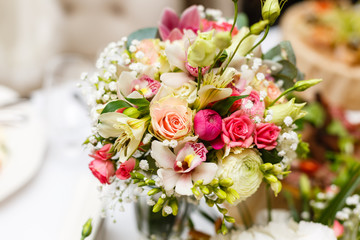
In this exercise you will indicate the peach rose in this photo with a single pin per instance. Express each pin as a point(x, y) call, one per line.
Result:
point(171, 118)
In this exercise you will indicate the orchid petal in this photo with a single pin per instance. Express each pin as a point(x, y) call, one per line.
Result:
point(190, 18)
point(175, 34)
point(169, 178)
point(164, 32)
point(184, 184)
point(175, 79)
point(176, 56)
point(135, 94)
point(124, 83)
point(206, 172)
point(169, 19)
point(162, 154)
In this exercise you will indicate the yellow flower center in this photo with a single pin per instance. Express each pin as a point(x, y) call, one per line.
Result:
point(188, 159)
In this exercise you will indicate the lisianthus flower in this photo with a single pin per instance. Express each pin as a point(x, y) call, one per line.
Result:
point(103, 153)
point(179, 170)
point(128, 131)
point(125, 169)
point(102, 170)
point(171, 118)
point(146, 86)
point(172, 27)
point(244, 170)
point(290, 109)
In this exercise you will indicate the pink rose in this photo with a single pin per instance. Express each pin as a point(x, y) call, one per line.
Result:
point(171, 118)
point(237, 104)
point(238, 130)
point(338, 228)
point(207, 124)
point(102, 170)
point(273, 91)
point(266, 135)
point(125, 169)
point(252, 105)
point(103, 153)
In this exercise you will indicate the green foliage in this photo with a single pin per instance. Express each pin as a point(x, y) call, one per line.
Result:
point(270, 156)
point(115, 105)
point(145, 33)
point(315, 114)
point(222, 107)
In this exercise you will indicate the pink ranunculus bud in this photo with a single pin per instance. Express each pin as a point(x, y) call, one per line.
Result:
point(207, 124)
point(266, 135)
point(125, 169)
point(103, 153)
point(102, 170)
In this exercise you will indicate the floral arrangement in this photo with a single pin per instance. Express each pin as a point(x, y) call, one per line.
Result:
point(193, 108)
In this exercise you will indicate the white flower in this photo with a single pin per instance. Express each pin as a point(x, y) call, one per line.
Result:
point(144, 165)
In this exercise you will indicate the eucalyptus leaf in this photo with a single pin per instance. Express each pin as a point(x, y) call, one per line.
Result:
point(145, 33)
point(288, 73)
point(115, 105)
point(222, 107)
point(242, 20)
point(283, 50)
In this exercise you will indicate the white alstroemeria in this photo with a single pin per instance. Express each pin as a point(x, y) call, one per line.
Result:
point(129, 132)
point(209, 93)
point(178, 170)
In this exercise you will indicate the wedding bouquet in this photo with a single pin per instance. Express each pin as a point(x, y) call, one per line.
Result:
point(193, 108)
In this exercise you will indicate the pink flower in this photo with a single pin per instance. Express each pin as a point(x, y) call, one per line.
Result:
point(237, 104)
point(207, 25)
point(150, 50)
point(237, 130)
point(273, 91)
point(171, 27)
point(338, 229)
point(102, 170)
point(125, 169)
point(252, 105)
point(207, 124)
point(180, 169)
point(171, 118)
point(146, 86)
point(194, 71)
point(103, 153)
point(266, 135)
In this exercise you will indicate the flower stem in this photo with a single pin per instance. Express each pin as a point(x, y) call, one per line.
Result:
point(233, 54)
point(262, 39)
point(281, 95)
point(216, 58)
point(235, 16)
point(199, 78)
point(268, 201)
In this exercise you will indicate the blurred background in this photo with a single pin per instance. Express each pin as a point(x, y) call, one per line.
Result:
point(34, 32)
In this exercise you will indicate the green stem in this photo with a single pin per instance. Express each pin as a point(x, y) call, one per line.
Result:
point(263, 38)
point(235, 17)
point(233, 54)
point(281, 95)
point(199, 78)
point(216, 58)
point(268, 200)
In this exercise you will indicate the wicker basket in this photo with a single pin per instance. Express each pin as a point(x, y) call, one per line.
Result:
point(341, 85)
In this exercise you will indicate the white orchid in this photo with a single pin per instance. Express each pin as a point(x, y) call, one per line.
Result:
point(178, 170)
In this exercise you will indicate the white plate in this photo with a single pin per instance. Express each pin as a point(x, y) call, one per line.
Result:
point(25, 143)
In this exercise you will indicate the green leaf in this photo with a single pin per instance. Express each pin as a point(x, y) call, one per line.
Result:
point(327, 216)
point(222, 107)
point(142, 34)
point(315, 114)
point(115, 105)
point(282, 51)
point(140, 102)
point(288, 73)
point(242, 20)
point(270, 156)
point(291, 205)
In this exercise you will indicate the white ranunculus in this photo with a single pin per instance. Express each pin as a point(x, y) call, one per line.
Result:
point(244, 170)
